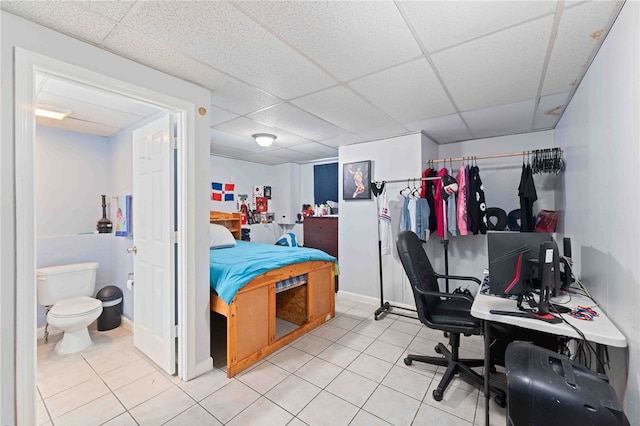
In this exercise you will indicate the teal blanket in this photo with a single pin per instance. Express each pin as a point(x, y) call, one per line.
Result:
point(232, 268)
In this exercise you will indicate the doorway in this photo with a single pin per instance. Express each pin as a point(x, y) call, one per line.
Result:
point(27, 65)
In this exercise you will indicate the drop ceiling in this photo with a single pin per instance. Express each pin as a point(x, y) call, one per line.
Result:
point(322, 74)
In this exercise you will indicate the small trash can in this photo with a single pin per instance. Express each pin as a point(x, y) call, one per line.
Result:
point(111, 316)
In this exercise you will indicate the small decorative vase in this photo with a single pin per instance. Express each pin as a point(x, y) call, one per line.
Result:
point(104, 225)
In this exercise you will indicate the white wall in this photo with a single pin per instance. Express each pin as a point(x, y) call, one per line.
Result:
point(71, 172)
point(601, 134)
point(21, 33)
point(394, 158)
point(121, 171)
point(245, 174)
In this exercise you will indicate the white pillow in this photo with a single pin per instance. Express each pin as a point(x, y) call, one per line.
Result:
point(220, 237)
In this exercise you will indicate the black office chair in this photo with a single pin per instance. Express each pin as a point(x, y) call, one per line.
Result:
point(449, 312)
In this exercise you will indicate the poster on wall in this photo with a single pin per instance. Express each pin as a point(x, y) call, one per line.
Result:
point(222, 191)
point(356, 182)
point(255, 193)
point(267, 192)
point(261, 204)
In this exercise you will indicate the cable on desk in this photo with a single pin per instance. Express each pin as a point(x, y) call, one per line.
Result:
point(580, 351)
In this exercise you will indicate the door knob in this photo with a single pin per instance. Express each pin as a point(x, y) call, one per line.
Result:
point(133, 250)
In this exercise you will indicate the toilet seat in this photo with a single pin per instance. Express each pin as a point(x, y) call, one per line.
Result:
point(76, 307)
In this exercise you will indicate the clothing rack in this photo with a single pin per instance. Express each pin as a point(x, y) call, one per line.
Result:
point(485, 157)
point(386, 306)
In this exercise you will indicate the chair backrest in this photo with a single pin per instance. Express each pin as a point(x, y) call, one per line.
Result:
point(420, 272)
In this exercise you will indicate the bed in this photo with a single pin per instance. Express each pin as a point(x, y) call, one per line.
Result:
point(299, 292)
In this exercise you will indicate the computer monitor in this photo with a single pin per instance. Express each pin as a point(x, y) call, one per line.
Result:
point(511, 260)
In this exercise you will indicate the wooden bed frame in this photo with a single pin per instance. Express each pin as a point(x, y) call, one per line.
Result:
point(251, 315)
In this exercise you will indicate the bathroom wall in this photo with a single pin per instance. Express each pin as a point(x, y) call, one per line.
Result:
point(71, 172)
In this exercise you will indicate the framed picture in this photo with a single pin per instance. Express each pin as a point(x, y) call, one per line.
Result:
point(356, 180)
point(267, 192)
point(262, 205)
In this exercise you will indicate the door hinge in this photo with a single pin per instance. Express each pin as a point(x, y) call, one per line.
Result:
point(174, 332)
point(175, 142)
point(174, 237)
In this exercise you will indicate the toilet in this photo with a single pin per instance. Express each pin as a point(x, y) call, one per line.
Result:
point(65, 290)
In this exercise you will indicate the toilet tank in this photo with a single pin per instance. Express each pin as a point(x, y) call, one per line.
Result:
point(61, 282)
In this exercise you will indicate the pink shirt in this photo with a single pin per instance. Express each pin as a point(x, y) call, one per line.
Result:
point(462, 201)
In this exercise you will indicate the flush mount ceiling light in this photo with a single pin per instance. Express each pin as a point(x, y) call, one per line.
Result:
point(51, 112)
point(264, 139)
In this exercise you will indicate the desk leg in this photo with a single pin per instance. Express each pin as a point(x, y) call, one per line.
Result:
point(487, 367)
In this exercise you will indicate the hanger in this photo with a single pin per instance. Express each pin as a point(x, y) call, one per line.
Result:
point(403, 191)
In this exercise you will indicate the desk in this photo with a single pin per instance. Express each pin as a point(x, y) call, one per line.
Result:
point(600, 331)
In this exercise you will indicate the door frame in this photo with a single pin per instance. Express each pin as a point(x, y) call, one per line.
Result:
point(26, 65)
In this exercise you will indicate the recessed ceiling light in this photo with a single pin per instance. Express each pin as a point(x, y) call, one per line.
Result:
point(51, 112)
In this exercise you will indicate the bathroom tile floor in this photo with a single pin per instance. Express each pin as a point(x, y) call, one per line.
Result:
point(349, 371)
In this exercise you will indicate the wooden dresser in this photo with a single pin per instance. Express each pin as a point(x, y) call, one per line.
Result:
point(322, 233)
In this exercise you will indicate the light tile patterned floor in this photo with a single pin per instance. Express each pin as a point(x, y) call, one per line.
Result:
point(350, 371)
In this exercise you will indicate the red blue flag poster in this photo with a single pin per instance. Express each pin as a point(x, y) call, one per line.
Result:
point(222, 191)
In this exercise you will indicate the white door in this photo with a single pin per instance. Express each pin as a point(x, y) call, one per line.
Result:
point(153, 217)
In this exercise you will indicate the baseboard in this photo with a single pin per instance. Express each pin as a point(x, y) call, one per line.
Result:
point(373, 300)
point(52, 331)
point(203, 367)
point(127, 323)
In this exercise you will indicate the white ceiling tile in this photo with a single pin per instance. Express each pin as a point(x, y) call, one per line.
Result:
point(287, 116)
point(243, 143)
point(135, 46)
point(219, 115)
point(374, 134)
point(408, 92)
point(347, 38)
point(441, 24)
point(289, 155)
point(113, 9)
point(87, 94)
point(220, 35)
point(227, 151)
point(445, 129)
point(344, 138)
point(245, 127)
point(64, 16)
point(232, 94)
point(496, 69)
point(501, 120)
point(228, 93)
point(574, 45)
point(344, 108)
point(316, 150)
point(549, 110)
point(78, 126)
point(264, 159)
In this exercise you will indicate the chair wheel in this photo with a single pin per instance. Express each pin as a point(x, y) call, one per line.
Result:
point(407, 361)
point(437, 395)
point(500, 400)
point(437, 349)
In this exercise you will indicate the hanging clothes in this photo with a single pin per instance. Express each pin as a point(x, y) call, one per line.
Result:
point(422, 218)
point(439, 202)
point(384, 224)
point(462, 201)
point(528, 195)
point(467, 174)
point(414, 216)
point(451, 215)
point(428, 192)
point(477, 205)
